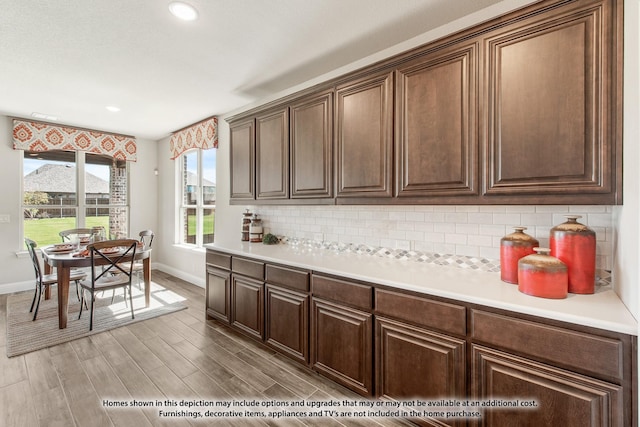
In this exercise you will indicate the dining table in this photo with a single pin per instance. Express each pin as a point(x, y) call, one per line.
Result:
point(64, 261)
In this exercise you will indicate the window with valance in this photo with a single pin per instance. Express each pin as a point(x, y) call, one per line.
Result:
point(72, 178)
point(191, 147)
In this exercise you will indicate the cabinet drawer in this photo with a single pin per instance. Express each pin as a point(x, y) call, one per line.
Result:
point(355, 294)
point(248, 267)
point(219, 259)
point(288, 277)
point(432, 314)
point(578, 351)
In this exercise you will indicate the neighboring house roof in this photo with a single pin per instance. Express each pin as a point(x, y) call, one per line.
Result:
point(52, 178)
point(192, 179)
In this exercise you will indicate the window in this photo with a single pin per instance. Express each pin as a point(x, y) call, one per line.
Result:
point(52, 181)
point(198, 196)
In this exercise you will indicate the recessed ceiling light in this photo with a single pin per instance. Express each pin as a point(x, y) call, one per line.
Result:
point(183, 11)
point(43, 116)
point(112, 108)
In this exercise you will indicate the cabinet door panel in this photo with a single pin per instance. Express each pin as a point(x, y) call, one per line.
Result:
point(242, 160)
point(272, 152)
point(436, 124)
point(563, 398)
point(549, 87)
point(342, 345)
point(312, 147)
point(364, 137)
point(414, 363)
point(247, 302)
point(287, 322)
point(218, 294)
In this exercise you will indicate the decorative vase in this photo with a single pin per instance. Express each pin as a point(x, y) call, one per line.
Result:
point(246, 223)
point(255, 229)
point(575, 245)
point(542, 275)
point(513, 247)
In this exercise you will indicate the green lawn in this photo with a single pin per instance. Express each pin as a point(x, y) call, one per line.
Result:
point(45, 231)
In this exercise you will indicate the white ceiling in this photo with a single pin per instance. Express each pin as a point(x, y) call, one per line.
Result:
point(72, 58)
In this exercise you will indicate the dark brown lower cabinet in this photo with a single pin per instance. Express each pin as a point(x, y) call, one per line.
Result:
point(414, 363)
point(342, 345)
point(287, 322)
point(247, 305)
point(562, 398)
point(400, 345)
point(218, 293)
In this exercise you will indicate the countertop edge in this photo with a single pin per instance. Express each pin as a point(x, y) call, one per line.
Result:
point(602, 310)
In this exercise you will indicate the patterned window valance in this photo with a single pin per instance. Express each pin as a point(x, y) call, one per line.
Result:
point(38, 136)
point(203, 135)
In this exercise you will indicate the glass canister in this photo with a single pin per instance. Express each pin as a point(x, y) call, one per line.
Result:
point(255, 229)
point(246, 224)
point(542, 275)
point(575, 245)
point(513, 247)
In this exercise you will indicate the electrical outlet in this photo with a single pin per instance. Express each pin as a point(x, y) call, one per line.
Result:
point(5, 218)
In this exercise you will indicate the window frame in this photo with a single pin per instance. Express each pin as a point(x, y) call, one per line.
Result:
point(199, 206)
point(81, 205)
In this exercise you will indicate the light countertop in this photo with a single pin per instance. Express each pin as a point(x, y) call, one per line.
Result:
point(603, 309)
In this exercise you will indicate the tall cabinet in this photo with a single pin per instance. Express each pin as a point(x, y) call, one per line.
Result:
point(550, 86)
point(436, 123)
point(364, 137)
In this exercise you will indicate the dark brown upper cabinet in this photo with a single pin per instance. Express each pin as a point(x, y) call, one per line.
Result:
point(312, 146)
point(436, 124)
point(272, 154)
point(522, 109)
point(242, 160)
point(364, 137)
point(551, 87)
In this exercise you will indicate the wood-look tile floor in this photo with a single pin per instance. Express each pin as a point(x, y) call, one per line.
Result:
point(177, 356)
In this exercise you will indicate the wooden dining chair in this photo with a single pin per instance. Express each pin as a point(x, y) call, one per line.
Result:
point(109, 271)
point(45, 280)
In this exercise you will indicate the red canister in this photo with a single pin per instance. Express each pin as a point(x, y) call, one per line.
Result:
point(575, 245)
point(513, 247)
point(542, 275)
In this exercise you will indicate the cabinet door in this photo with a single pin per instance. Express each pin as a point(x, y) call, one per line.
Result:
point(287, 322)
point(312, 146)
point(364, 136)
point(563, 398)
point(242, 160)
point(272, 154)
point(436, 136)
point(218, 294)
point(550, 82)
point(341, 345)
point(414, 363)
point(247, 305)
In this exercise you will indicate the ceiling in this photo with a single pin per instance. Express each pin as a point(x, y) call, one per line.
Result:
point(71, 59)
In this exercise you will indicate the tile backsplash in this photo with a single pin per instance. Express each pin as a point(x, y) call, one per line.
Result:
point(471, 231)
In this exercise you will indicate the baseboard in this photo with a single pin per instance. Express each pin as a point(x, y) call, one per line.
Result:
point(28, 285)
point(9, 288)
point(198, 281)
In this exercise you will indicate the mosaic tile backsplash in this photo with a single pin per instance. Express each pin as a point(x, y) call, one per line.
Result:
point(462, 236)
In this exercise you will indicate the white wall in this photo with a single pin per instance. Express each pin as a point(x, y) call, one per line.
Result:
point(627, 217)
point(180, 260)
